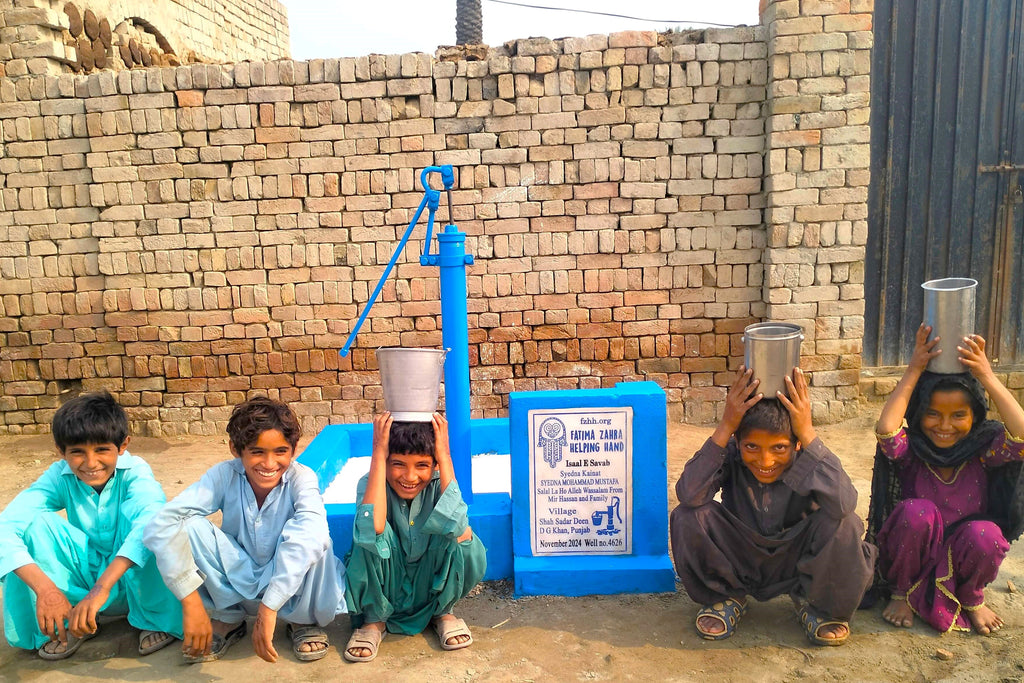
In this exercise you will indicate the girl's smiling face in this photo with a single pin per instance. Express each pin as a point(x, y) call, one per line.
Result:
point(949, 417)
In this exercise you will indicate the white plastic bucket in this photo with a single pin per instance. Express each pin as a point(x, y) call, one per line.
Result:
point(411, 379)
point(949, 310)
point(772, 350)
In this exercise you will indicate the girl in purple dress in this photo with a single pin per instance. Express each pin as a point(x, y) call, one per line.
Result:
point(947, 490)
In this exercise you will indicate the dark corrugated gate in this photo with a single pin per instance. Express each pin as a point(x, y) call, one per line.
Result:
point(947, 165)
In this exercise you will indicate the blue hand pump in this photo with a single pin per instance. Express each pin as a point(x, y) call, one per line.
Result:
point(452, 260)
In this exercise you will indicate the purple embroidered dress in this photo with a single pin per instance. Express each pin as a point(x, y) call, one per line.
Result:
point(913, 540)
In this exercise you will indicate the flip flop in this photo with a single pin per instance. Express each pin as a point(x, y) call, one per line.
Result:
point(450, 629)
point(814, 622)
point(365, 637)
point(73, 644)
point(302, 635)
point(154, 646)
point(728, 611)
point(220, 645)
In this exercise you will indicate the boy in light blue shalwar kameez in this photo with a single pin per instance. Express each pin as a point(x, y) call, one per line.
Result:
point(57, 570)
point(272, 555)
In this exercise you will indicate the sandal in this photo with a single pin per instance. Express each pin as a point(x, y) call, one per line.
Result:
point(220, 645)
point(814, 622)
point(449, 629)
point(153, 645)
point(72, 647)
point(365, 637)
point(728, 611)
point(307, 635)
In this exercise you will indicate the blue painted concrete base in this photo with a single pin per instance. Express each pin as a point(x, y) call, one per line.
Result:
point(490, 514)
point(646, 567)
point(601, 576)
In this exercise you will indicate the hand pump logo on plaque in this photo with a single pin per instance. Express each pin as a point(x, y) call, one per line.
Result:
point(580, 471)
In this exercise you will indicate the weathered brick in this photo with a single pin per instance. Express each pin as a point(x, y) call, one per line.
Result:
point(619, 196)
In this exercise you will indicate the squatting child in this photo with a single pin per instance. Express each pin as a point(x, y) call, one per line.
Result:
point(947, 490)
point(272, 555)
point(786, 522)
point(60, 574)
point(413, 552)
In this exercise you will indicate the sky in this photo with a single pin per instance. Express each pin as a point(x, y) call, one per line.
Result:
point(352, 28)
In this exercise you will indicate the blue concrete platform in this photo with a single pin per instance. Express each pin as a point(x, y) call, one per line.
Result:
point(631, 556)
point(490, 514)
point(576, 452)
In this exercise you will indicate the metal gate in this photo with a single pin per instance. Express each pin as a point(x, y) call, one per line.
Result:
point(947, 165)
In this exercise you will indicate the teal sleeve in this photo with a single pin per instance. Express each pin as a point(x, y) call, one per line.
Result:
point(144, 498)
point(46, 494)
point(365, 535)
point(450, 515)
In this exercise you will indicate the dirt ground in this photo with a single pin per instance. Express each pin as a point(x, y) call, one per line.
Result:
point(611, 638)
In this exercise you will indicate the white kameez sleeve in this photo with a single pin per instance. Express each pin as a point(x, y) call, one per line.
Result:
point(167, 536)
point(304, 540)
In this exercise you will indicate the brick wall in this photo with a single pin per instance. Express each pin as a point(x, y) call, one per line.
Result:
point(816, 184)
point(188, 237)
point(34, 35)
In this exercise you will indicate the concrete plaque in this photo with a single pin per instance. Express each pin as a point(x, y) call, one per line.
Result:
point(581, 481)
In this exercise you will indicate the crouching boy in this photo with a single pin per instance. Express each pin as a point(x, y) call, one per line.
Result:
point(413, 552)
point(60, 574)
point(272, 555)
point(786, 523)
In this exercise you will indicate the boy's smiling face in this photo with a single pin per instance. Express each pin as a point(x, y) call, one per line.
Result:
point(766, 454)
point(94, 463)
point(407, 475)
point(265, 461)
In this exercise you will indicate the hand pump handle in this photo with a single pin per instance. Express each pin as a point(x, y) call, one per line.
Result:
point(430, 201)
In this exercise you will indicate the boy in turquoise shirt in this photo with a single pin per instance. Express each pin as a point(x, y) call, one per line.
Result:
point(59, 574)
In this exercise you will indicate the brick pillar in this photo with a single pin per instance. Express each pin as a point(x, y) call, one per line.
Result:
point(816, 185)
point(30, 38)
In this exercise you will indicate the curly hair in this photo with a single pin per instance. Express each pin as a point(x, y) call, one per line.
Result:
point(253, 417)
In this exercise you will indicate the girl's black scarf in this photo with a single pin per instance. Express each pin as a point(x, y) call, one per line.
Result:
point(1005, 484)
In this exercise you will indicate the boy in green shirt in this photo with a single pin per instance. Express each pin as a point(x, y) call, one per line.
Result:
point(413, 553)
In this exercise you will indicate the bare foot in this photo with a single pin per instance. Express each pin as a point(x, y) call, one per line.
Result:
point(55, 647)
point(312, 646)
point(898, 613)
point(834, 632)
point(364, 651)
point(712, 626)
point(984, 620)
point(453, 640)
